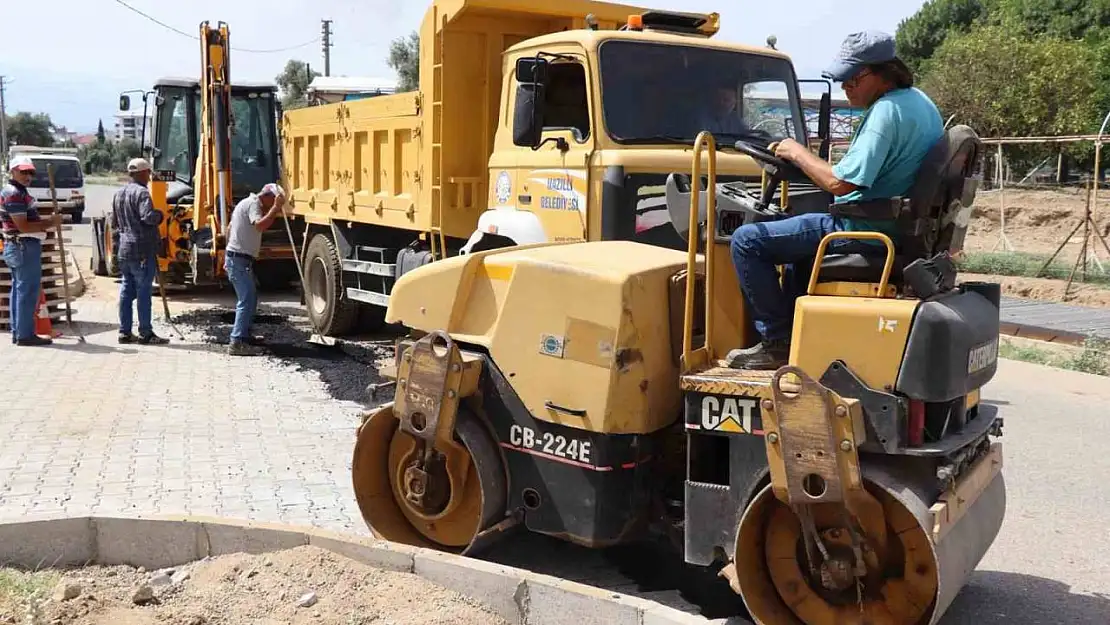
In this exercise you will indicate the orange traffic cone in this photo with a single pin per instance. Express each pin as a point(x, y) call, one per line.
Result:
point(43, 327)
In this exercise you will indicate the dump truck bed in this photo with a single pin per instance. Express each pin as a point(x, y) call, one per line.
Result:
point(419, 160)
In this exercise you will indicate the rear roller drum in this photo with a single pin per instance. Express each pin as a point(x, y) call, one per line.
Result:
point(910, 580)
point(445, 505)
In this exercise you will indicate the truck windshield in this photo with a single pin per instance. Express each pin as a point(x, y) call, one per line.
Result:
point(664, 93)
point(67, 173)
point(252, 142)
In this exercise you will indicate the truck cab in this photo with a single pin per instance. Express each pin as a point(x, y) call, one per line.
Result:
point(599, 118)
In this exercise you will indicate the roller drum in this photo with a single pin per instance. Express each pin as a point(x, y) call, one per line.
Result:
point(770, 568)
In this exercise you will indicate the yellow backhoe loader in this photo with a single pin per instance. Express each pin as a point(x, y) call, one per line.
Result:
point(576, 390)
point(213, 143)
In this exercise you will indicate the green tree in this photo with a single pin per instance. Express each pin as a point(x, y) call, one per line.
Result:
point(100, 136)
point(1002, 82)
point(919, 36)
point(293, 82)
point(1067, 19)
point(404, 58)
point(31, 129)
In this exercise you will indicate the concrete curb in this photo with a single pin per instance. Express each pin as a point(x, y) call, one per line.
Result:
point(520, 597)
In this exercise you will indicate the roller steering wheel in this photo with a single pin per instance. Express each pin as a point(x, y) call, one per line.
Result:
point(778, 169)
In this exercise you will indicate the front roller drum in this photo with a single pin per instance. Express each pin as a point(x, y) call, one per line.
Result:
point(470, 492)
point(916, 584)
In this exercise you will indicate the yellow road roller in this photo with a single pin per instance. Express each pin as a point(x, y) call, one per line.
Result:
point(576, 390)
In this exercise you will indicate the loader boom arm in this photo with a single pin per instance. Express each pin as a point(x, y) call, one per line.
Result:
point(213, 160)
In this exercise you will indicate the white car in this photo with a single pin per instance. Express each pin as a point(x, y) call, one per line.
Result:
point(69, 179)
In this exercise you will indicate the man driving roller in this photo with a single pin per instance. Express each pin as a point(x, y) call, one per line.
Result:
point(899, 126)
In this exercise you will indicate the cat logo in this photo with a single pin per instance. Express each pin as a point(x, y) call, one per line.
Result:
point(982, 356)
point(887, 325)
point(728, 414)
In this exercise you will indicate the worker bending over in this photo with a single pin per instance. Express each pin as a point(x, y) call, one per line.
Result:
point(135, 222)
point(899, 127)
point(23, 230)
point(251, 217)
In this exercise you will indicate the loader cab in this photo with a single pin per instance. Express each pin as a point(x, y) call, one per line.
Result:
point(177, 132)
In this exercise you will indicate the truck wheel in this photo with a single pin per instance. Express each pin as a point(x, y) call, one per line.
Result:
point(331, 312)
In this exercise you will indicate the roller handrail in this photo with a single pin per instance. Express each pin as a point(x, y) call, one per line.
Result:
point(861, 236)
point(704, 138)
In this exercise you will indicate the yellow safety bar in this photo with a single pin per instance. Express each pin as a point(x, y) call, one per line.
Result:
point(862, 236)
point(705, 138)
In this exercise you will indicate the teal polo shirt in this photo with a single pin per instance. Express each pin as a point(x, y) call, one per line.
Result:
point(894, 136)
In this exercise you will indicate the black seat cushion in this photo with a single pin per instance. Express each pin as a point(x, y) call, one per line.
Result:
point(860, 267)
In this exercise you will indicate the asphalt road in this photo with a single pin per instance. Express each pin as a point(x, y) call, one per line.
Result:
point(1051, 562)
point(98, 198)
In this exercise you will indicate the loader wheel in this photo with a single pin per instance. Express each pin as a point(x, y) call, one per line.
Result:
point(330, 310)
point(473, 499)
point(910, 580)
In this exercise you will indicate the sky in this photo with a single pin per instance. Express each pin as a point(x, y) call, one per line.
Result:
point(98, 48)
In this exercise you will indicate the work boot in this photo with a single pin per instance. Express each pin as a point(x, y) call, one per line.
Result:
point(33, 340)
point(126, 338)
point(768, 355)
point(153, 339)
point(255, 339)
point(241, 348)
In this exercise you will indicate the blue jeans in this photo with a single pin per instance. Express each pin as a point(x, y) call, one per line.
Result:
point(24, 259)
point(137, 287)
point(757, 249)
point(240, 271)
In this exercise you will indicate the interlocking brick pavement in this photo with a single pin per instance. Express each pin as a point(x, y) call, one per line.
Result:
point(103, 428)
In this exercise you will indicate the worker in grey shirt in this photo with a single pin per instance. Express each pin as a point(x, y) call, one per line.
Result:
point(135, 234)
point(249, 220)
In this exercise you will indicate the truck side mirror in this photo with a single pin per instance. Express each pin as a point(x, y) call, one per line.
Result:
point(824, 123)
point(531, 90)
point(125, 103)
point(528, 115)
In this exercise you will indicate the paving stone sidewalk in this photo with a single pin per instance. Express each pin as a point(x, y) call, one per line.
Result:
point(103, 428)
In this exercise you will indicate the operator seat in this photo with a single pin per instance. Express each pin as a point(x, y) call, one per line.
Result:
point(932, 220)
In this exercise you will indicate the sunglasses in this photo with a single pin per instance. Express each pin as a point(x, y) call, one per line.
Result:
point(854, 80)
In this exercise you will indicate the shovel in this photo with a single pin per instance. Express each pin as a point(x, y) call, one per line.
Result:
point(317, 337)
point(62, 250)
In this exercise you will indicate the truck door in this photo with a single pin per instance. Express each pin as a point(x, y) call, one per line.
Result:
point(552, 178)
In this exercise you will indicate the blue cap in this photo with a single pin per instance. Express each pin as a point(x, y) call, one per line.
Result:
point(860, 49)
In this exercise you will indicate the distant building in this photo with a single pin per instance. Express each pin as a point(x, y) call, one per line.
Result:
point(330, 89)
point(129, 125)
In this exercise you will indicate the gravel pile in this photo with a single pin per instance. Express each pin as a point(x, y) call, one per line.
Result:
point(346, 369)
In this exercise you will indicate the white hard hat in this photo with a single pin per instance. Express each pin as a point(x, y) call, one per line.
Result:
point(137, 165)
point(273, 189)
point(21, 163)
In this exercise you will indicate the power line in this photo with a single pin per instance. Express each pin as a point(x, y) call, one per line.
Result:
point(195, 38)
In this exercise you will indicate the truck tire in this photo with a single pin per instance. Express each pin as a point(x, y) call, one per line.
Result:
point(330, 311)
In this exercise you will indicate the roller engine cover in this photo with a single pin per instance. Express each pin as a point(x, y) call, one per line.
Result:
point(952, 348)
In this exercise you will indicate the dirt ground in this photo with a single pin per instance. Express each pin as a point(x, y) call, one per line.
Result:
point(1037, 221)
point(294, 587)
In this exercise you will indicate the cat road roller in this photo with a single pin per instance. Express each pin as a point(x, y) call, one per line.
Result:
point(575, 390)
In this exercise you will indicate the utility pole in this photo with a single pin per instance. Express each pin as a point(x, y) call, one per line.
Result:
point(326, 31)
point(3, 124)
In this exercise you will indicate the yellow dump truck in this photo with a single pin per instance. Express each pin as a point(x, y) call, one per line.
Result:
point(540, 120)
